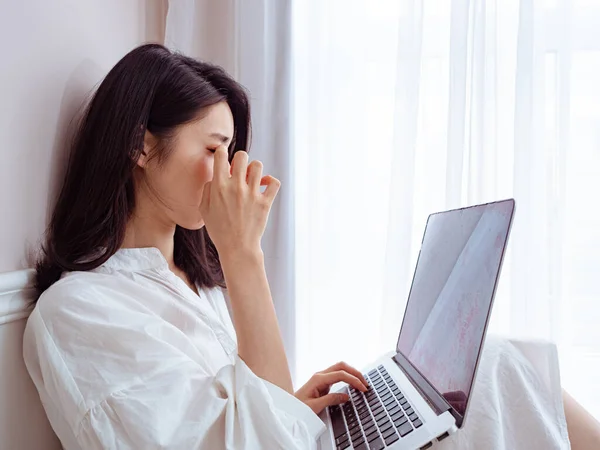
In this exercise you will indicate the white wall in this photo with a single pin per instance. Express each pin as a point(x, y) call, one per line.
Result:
point(54, 53)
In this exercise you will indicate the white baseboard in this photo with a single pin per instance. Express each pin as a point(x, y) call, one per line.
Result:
point(16, 294)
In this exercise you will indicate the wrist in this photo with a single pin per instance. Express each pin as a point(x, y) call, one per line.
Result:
point(241, 255)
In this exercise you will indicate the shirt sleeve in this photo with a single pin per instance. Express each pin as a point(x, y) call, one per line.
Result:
point(189, 410)
point(129, 380)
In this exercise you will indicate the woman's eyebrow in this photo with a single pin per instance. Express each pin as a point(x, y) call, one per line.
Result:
point(224, 139)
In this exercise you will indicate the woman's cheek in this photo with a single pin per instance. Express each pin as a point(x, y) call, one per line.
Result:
point(206, 170)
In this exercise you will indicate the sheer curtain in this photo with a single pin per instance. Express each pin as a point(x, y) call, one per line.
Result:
point(405, 107)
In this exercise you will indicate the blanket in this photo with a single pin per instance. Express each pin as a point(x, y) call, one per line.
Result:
point(517, 400)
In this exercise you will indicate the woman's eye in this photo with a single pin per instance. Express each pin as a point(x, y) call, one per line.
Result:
point(212, 150)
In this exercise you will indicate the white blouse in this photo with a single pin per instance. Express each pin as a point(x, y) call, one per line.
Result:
point(126, 356)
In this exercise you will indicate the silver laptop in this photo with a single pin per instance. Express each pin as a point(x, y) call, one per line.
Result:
point(420, 393)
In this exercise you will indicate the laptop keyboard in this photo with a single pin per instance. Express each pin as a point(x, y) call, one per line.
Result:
point(375, 419)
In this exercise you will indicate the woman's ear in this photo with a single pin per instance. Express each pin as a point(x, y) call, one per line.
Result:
point(149, 143)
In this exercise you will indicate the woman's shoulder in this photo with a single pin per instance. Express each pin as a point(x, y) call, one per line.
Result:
point(76, 292)
point(75, 284)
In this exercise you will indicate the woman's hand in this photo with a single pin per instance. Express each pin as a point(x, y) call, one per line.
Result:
point(315, 393)
point(234, 210)
point(235, 213)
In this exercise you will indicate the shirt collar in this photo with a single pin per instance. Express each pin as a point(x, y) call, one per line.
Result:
point(135, 259)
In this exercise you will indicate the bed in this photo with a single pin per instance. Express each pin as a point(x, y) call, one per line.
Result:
point(23, 423)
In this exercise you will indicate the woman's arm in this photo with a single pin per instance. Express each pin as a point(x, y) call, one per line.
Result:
point(259, 339)
point(235, 213)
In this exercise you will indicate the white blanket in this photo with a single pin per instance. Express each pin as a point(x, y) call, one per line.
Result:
point(517, 400)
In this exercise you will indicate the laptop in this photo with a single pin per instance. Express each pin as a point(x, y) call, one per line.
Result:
point(420, 393)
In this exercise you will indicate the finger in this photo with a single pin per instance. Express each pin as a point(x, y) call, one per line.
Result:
point(239, 166)
point(221, 164)
point(272, 184)
point(348, 368)
point(335, 398)
point(341, 375)
point(254, 175)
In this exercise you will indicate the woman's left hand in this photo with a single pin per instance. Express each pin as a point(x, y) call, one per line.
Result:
point(315, 393)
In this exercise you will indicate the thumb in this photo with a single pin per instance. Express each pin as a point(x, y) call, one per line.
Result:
point(335, 398)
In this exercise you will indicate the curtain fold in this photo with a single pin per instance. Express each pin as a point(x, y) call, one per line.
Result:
point(408, 107)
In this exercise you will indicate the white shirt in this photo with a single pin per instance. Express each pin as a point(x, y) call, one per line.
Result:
point(126, 356)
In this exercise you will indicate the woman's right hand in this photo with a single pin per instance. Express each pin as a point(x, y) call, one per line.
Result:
point(234, 210)
point(315, 393)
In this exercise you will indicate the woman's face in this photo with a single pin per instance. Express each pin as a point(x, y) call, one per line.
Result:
point(173, 188)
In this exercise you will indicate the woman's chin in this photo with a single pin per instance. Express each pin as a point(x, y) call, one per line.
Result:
point(192, 225)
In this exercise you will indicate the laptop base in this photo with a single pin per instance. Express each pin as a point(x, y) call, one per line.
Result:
point(434, 425)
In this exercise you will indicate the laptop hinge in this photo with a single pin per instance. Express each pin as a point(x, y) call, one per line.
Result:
point(435, 400)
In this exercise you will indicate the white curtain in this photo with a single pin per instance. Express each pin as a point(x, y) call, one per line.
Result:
point(405, 107)
point(251, 39)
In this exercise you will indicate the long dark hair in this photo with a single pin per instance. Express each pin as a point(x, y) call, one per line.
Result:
point(152, 89)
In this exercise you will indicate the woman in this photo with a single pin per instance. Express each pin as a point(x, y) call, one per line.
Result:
point(130, 344)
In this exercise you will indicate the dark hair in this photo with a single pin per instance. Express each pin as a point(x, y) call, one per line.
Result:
point(152, 89)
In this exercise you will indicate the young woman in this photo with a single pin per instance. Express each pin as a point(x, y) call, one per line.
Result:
point(131, 345)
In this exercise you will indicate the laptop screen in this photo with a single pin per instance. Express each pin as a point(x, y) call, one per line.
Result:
point(451, 296)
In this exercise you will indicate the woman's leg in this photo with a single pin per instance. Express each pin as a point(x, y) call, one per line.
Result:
point(584, 430)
